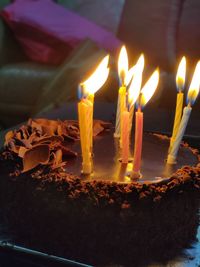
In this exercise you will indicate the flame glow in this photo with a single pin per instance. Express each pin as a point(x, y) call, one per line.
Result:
point(180, 76)
point(123, 65)
point(194, 86)
point(149, 88)
point(134, 89)
point(98, 78)
point(129, 75)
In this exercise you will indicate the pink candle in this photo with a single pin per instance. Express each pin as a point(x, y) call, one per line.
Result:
point(138, 143)
point(125, 136)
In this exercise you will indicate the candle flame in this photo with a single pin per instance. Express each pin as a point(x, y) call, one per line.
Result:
point(194, 86)
point(134, 89)
point(149, 88)
point(97, 79)
point(129, 75)
point(123, 65)
point(180, 76)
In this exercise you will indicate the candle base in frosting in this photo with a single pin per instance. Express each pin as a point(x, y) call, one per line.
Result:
point(171, 159)
point(87, 168)
point(135, 175)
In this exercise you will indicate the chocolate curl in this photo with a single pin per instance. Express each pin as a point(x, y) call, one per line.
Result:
point(22, 151)
point(99, 126)
point(47, 127)
point(57, 160)
point(9, 135)
point(44, 141)
point(39, 154)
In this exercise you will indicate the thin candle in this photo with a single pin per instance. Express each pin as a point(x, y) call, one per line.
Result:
point(191, 97)
point(86, 91)
point(125, 136)
point(121, 103)
point(84, 111)
point(145, 95)
point(92, 85)
point(180, 83)
point(131, 98)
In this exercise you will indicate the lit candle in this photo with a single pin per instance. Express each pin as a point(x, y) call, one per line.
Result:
point(132, 96)
point(84, 111)
point(138, 143)
point(86, 92)
point(180, 82)
point(121, 103)
point(125, 136)
point(92, 85)
point(145, 95)
point(191, 97)
point(134, 88)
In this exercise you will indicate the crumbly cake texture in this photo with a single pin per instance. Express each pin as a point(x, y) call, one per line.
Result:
point(98, 222)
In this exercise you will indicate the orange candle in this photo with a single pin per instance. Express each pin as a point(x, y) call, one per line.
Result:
point(145, 95)
point(138, 141)
point(125, 136)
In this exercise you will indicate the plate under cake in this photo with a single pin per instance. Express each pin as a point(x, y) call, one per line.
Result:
point(104, 218)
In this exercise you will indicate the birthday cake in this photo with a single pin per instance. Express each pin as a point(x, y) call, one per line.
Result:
point(104, 218)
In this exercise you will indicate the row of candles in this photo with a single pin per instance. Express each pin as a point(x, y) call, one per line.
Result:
point(131, 97)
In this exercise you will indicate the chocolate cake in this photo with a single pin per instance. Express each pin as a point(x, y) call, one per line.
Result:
point(105, 218)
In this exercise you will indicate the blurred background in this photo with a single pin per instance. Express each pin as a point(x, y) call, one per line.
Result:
point(47, 47)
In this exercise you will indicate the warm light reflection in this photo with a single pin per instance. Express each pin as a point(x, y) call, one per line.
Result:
point(149, 88)
point(123, 65)
point(194, 86)
point(97, 79)
point(134, 89)
point(180, 76)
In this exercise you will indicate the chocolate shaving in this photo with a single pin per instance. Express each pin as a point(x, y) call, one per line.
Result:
point(9, 135)
point(45, 142)
point(99, 126)
point(37, 155)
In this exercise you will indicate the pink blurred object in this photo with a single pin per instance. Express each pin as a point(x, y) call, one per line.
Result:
point(48, 32)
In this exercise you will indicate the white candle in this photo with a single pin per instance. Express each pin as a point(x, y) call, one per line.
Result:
point(117, 123)
point(171, 159)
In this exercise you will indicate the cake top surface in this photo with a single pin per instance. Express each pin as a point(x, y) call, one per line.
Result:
point(56, 144)
point(108, 167)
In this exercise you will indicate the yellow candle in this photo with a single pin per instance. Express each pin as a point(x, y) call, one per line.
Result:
point(84, 110)
point(191, 97)
point(125, 136)
point(122, 95)
point(180, 82)
point(91, 99)
point(120, 107)
point(122, 72)
point(178, 115)
point(86, 93)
